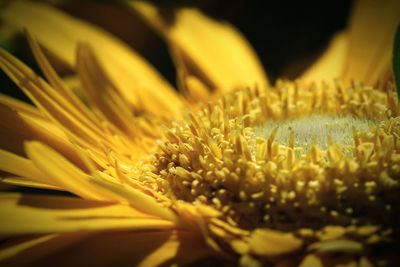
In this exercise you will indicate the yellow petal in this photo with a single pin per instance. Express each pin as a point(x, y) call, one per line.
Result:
point(18, 125)
point(181, 247)
point(137, 199)
point(61, 33)
point(60, 172)
point(372, 28)
point(20, 181)
point(12, 130)
point(189, 85)
point(330, 65)
point(270, 243)
point(44, 214)
point(64, 113)
point(20, 166)
point(20, 106)
point(195, 89)
point(65, 175)
point(123, 249)
point(337, 246)
point(19, 247)
point(212, 51)
point(101, 91)
point(74, 84)
point(25, 251)
point(311, 261)
point(364, 262)
point(56, 81)
point(53, 104)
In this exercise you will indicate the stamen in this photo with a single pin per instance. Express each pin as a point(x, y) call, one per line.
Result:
point(239, 156)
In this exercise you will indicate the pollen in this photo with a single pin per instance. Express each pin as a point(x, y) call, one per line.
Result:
point(240, 155)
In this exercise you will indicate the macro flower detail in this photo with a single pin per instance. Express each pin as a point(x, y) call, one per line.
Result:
point(233, 171)
point(256, 183)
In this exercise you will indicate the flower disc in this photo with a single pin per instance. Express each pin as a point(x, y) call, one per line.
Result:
point(312, 162)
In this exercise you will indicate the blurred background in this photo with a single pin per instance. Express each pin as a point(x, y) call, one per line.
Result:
point(287, 35)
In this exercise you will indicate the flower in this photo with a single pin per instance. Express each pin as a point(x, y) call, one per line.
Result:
point(298, 173)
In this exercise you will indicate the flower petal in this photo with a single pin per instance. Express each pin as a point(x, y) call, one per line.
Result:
point(20, 106)
point(49, 101)
point(181, 247)
point(20, 181)
point(18, 125)
point(65, 175)
point(311, 260)
point(61, 172)
point(21, 214)
point(137, 199)
point(330, 65)
point(272, 244)
point(212, 51)
point(28, 250)
point(60, 110)
point(20, 166)
point(56, 81)
point(115, 249)
point(372, 29)
point(61, 33)
point(101, 91)
point(13, 250)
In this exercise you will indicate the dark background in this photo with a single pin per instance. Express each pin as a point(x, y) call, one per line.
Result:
point(286, 35)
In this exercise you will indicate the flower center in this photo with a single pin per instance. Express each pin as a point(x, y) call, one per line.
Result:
point(315, 129)
point(231, 157)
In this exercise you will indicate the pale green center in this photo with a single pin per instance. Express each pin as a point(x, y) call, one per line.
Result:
point(315, 129)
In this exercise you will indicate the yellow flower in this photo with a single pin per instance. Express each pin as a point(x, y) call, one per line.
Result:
point(298, 173)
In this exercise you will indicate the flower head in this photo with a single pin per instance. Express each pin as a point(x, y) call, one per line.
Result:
point(297, 173)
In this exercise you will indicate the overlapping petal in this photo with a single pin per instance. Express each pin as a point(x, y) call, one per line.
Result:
point(60, 33)
point(67, 214)
point(213, 52)
point(122, 248)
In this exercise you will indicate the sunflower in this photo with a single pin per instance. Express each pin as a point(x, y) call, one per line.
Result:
point(233, 171)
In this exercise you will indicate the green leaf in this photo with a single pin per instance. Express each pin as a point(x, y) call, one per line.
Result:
point(396, 59)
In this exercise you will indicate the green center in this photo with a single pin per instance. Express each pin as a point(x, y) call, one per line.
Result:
point(315, 129)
